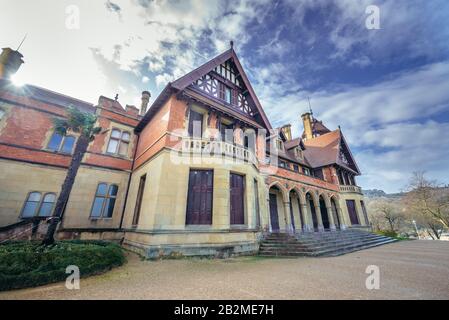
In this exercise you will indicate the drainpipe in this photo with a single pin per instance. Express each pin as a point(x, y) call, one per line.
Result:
point(129, 183)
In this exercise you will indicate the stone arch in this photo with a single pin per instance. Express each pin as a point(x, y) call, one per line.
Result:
point(336, 211)
point(324, 205)
point(312, 202)
point(281, 188)
point(296, 208)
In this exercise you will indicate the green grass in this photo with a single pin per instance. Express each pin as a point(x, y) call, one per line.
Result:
point(29, 264)
point(391, 234)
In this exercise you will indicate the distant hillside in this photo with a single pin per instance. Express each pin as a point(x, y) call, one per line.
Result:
point(374, 193)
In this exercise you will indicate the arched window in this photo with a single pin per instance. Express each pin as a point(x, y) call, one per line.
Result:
point(104, 201)
point(46, 207)
point(61, 143)
point(31, 205)
point(67, 144)
point(119, 142)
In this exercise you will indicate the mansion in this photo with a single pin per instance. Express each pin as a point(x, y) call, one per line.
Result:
point(198, 171)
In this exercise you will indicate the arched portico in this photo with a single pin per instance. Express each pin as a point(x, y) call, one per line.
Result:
point(337, 213)
point(313, 208)
point(278, 204)
point(297, 214)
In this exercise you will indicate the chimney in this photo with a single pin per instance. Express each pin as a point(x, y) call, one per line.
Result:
point(146, 95)
point(287, 130)
point(307, 122)
point(10, 62)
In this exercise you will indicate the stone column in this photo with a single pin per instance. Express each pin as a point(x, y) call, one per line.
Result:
point(307, 218)
point(319, 218)
point(288, 224)
point(342, 219)
point(330, 214)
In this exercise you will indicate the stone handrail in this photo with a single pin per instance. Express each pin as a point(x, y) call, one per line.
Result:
point(217, 148)
point(354, 189)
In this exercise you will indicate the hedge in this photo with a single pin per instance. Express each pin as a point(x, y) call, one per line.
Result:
point(29, 264)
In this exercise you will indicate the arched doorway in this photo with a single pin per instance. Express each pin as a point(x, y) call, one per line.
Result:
point(275, 203)
point(324, 214)
point(311, 207)
point(335, 213)
point(296, 214)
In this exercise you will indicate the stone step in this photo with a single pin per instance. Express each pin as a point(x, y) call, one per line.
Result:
point(320, 243)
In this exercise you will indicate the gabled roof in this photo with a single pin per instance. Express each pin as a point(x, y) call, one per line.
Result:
point(192, 76)
point(46, 95)
point(325, 150)
point(186, 80)
point(294, 143)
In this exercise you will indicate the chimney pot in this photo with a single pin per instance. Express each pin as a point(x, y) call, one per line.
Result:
point(10, 62)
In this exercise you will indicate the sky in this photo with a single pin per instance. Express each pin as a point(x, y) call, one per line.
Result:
point(388, 88)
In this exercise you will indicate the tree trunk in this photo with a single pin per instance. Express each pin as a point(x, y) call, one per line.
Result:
point(66, 188)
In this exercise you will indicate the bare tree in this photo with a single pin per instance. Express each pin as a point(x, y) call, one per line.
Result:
point(385, 214)
point(429, 199)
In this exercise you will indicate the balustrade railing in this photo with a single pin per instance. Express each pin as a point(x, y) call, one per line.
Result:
point(212, 148)
point(349, 188)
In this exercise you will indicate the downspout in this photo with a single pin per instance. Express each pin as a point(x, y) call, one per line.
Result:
point(129, 183)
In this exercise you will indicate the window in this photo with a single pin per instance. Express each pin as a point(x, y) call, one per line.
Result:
point(306, 171)
point(295, 168)
point(104, 201)
point(119, 142)
point(228, 95)
point(195, 124)
point(227, 132)
point(61, 143)
point(318, 173)
point(279, 144)
point(282, 164)
point(139, 200)
point(298, 152)
point(36, 205)
point(199, 198)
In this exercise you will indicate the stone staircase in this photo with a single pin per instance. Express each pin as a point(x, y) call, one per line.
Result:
point(320, 243)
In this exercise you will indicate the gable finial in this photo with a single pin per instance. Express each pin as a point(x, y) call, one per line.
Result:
point(232, 44)
point(116, 97)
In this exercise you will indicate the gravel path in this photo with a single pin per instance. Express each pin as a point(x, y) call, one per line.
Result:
point(408, 270)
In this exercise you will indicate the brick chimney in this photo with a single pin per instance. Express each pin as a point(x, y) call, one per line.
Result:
point(287, 130)
point(146, 95)
point(10, 62)
point(307, 122)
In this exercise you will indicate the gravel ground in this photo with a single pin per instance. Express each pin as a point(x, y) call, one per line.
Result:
point(408, 270)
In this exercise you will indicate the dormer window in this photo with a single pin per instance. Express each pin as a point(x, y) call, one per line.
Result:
point(279, 144)
point(298, 152)
point(228, 95)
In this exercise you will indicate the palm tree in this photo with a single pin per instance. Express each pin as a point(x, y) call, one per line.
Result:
point(84, 124)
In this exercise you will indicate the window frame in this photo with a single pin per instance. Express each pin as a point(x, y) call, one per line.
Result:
point(120, 141)
point(105, 198)
point(37, 210)
point(61, 144)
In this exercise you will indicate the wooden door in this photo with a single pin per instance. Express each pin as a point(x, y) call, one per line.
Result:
point(352, 212)
point(199, 199)
point(324, 214)
point(237, 192)
point(274, 213)
point(313, 212)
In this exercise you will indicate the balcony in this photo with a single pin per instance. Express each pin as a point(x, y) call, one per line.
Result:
point(351, 189)
point(211, 148)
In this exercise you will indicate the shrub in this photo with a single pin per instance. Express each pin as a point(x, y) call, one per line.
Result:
point(388, 233)
point(29, 264)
